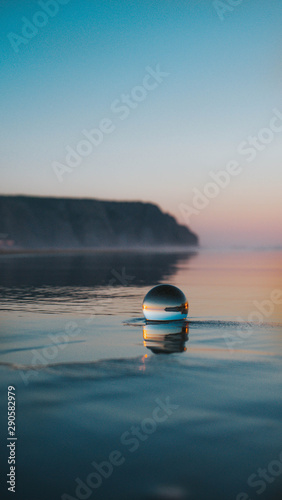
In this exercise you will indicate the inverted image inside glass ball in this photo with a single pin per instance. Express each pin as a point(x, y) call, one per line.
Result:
point(165, 303)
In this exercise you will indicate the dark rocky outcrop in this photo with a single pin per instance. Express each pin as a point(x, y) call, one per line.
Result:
point(37, 222)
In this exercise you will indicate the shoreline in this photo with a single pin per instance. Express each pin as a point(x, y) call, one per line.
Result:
point(95, 250)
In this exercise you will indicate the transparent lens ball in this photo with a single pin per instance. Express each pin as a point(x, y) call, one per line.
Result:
point(165, 303)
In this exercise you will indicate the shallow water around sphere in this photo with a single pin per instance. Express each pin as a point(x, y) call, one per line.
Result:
point(89, 389)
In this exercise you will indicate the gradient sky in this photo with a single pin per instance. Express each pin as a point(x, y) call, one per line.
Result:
point(224, 82)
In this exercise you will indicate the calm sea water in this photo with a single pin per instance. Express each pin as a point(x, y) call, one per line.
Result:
point(109, 408)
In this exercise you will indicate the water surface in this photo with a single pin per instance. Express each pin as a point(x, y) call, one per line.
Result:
point(87, 381)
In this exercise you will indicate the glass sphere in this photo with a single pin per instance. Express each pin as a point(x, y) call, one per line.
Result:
point(165, 303)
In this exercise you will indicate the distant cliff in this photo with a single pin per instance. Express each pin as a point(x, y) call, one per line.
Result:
point(33, 222)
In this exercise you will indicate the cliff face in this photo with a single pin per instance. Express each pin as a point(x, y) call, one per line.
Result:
point(33, 222)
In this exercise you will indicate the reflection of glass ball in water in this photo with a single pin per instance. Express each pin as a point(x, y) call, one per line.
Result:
point(165, 337)
point(165, 303)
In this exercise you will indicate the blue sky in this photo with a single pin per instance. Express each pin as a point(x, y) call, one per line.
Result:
point(224, 82)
